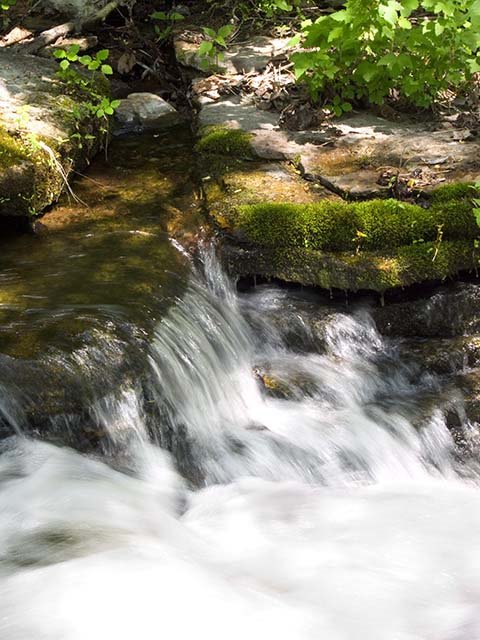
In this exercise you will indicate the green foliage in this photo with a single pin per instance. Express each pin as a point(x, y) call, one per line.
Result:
point(5, 5)
point(97, 63)
point(248, 9)
point(476, 209)
point(99, 105)
point(372, 47)
point(377, 225)
point(223, 141)
point(167, 20)
point(215, 42)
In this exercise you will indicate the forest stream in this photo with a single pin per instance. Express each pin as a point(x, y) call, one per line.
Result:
point(184, 460)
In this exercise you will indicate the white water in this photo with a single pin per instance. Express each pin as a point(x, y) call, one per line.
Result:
point(329, 514)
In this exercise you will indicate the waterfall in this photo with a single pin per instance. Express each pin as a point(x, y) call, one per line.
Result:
point(255, 486)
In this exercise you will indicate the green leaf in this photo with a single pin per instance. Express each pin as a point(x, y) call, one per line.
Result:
point(64, 64)
point(73, 49)
point(209, 32)
point(206, 48)
point(339, 16)
point(103, 54)
point(159, 15)
point(85, 60)
point(225, 31)
point(60, 53)
point(404, 23)
point(476, 213)
point(106, 69)
point(115, 104)
point(408, 7)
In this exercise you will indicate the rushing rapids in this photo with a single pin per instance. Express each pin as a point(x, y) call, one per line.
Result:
point(325, 512)
point(257, 465)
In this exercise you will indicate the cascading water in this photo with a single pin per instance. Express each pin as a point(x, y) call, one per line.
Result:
point(321, 496)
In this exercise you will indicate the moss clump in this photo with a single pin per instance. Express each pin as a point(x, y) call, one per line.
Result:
point(454, 192)
point(12, 150)
point(341, 226)
point(224, 141)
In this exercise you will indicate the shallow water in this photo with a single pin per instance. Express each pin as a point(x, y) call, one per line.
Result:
point(268, 465)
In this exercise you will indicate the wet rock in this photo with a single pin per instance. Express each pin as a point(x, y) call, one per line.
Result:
point(146, 111)
point(444, 356)
point(450, 311)
point(469, 384)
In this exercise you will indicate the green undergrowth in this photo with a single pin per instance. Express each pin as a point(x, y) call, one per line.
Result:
point(224, 141)
point(375, 225)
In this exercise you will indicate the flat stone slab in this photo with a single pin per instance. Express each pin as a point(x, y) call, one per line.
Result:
point(365, 147)
point(352, 155)
point(238, 113)
point(38, 134)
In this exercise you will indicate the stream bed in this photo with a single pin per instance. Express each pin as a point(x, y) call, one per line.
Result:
point(183, 460)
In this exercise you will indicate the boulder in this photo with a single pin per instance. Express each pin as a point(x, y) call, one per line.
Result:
point(146, 111)
point(43, 136)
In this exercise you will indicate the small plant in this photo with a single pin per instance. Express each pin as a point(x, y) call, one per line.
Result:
point(168, 20)
point(212, 49)
point(100, 105)
point(359, 238)
point(97, 63)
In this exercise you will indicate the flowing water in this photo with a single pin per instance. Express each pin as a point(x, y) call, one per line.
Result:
point(261, 465)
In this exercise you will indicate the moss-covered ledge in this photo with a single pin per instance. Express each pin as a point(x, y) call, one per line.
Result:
point(374, 245)
point(42, 135)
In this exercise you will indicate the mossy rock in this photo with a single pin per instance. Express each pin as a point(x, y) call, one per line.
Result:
point(219, 140)
point(42, 134)
point(340, 226)
point(374, 245)
point(369, 271)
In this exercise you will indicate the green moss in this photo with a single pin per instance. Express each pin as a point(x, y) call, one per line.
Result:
point(12, 150)
point(224, 141)
point(371, 271)
point(342, 226)
point(454, 192)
